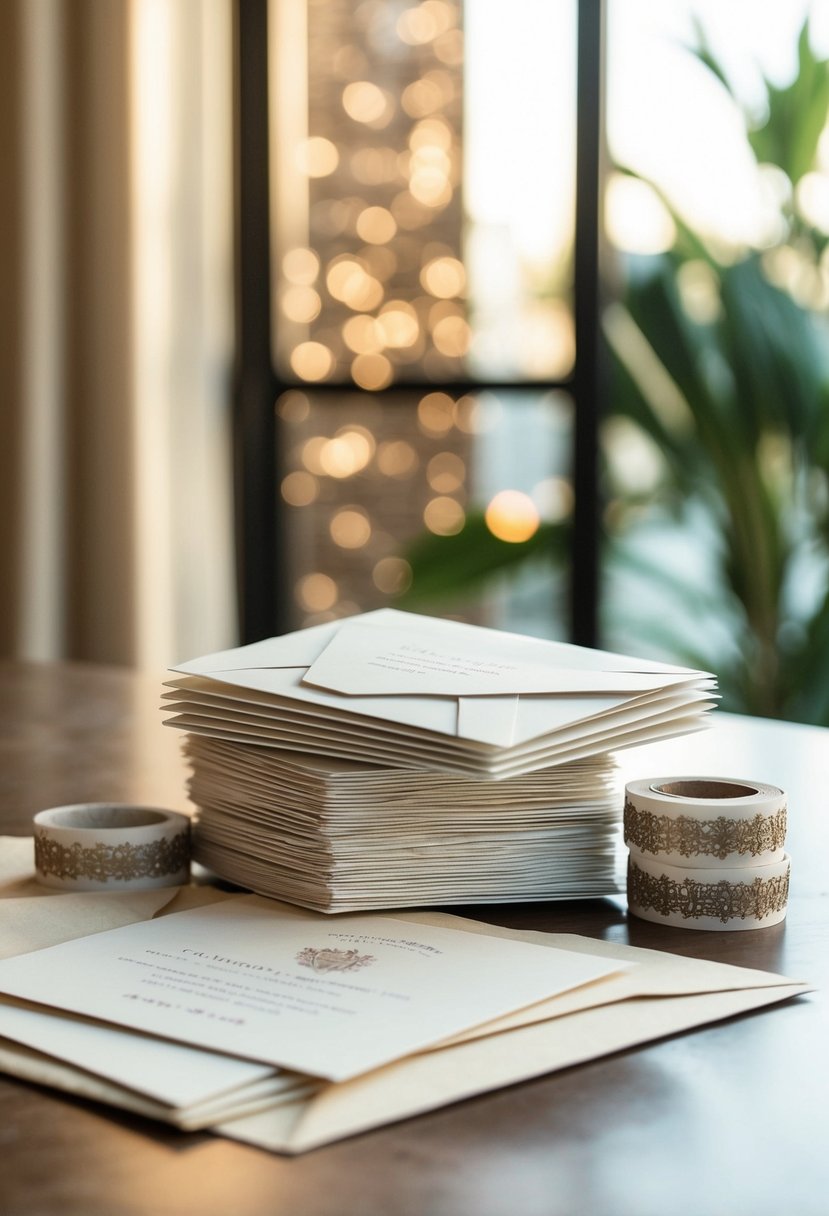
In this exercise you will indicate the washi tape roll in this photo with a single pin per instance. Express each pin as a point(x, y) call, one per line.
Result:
point(718, 898)
point(111, 846)
point(699, 821)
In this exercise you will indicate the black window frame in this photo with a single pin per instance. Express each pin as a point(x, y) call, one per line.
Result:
point(260, 535)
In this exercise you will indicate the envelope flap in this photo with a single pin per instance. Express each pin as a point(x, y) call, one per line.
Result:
point(291, 650)
point(407, 655)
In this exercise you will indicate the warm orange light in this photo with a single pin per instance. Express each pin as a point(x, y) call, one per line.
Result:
point(451, 337)
point(424, 22)
point(293, 406)
point(443, 277)
point(311, 361)
point(301, 266)
point(299, 489)
point(317, 592)
point(376, 225)
point(363, 335)
point(398, 324)
point(421, 97)
point(435, 413)
point(430, 186)
point(311, 452)
point(467, 415)
point(317, 157)
point(341, 273)
point(396, 458)
point(345, 454)
point(444, 516)
point(512, 516)
point(392, 575)
point(446, 473)
point(441, 309)
point(372, 371)
point(448, 48)
point(366, 102)
point(431, 132)
point(350, 528)
point(364, 295)
point(361, 439)
point(348, 281)
point(430, 156)
point(301, 304)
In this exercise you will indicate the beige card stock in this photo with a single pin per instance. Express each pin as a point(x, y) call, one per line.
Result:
point(661, 994)
point(414, 691)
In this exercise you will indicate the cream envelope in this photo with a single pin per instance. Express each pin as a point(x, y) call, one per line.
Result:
point(595, 1020)
point(610, 1015)
point(488, 690)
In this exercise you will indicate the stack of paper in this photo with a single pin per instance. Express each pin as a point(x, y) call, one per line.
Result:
point(288, 1030)
point(393, 760)
point(336, 835)
point(413, 692)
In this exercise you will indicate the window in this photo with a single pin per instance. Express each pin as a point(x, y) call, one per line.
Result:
point(422, 347)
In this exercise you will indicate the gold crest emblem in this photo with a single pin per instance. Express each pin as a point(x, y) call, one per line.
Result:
point(329, 958)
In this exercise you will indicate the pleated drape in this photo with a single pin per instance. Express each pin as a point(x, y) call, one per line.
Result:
point(115, 329)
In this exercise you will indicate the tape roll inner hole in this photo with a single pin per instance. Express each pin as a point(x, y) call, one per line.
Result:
point(86, 817)
point(715, 790)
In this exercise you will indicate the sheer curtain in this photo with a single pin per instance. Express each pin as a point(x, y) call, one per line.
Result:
point(115, 329)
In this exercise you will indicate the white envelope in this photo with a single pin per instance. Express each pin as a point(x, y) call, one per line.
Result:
point(518, 689)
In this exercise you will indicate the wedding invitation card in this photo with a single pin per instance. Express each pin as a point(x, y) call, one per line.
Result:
point(652, 994)
point(329, 998)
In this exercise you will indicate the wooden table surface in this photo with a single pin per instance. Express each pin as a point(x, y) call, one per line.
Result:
point(729, 1120)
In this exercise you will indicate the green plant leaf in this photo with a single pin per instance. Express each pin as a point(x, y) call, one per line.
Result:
point(768, 343)
point(446, 567)
point(738, 408)
point(796, 115)
point(703, 52)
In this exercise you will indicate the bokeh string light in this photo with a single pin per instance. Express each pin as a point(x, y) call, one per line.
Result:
point(372, 285)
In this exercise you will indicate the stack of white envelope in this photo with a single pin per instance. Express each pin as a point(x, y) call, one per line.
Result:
point(414, 692)
point(336, 835)
point(519, 730)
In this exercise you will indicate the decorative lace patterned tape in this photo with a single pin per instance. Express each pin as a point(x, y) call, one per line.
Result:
point(720, 898)
point(105, 846)
point(705, 821)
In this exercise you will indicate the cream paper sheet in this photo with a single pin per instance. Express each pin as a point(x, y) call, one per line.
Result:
point(598, 1019)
